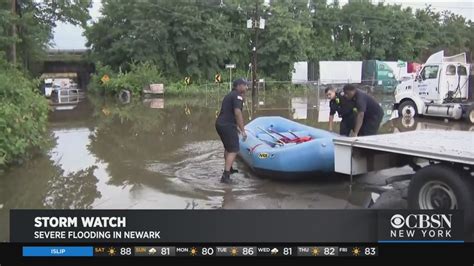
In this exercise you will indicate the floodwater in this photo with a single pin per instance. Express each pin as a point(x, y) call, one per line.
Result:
point(164, 153)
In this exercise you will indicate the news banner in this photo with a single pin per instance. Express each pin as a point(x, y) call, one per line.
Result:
point(82, 234)
point(199, 251)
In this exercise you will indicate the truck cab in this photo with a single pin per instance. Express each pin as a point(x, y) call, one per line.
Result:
point(440, 89)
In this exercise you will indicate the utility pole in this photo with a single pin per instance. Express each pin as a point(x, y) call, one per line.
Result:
point(256, 23)
point(13, 48)
point(254, 52)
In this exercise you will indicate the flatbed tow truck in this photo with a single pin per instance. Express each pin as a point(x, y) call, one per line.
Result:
point(443, 164)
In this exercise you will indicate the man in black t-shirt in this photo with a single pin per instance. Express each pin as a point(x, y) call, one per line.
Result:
point(369, 113)
point(229, 123)
point(344, 109)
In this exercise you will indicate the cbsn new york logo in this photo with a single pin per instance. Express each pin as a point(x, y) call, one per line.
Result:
point(421, 225)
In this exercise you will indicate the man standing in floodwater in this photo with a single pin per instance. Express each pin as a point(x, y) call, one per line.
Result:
point(369, 113)
point(229, 123)
point(344, 108)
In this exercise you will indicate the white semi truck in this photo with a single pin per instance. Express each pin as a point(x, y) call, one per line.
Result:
point(440, 89)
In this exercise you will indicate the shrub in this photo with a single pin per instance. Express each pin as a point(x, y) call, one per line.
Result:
point(95, 84)
point(143, 74)
point(134, 80)
point(23, 115)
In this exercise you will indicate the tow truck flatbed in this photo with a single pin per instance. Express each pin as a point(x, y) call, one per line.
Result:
point(363, 154)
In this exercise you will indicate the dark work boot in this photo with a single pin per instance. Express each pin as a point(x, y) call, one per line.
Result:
point(233, 171)
point(226, 177)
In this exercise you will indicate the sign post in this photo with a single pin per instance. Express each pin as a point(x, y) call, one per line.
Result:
point(230, 67)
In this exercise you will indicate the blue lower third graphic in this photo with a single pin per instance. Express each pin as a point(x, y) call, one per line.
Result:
point(58, 252)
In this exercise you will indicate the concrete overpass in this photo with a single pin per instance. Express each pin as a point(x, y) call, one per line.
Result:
point(69, 61)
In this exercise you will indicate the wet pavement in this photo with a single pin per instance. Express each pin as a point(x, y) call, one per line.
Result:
point(164, 153)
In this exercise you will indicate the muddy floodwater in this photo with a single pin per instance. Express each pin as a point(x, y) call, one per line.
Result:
point(164, 153)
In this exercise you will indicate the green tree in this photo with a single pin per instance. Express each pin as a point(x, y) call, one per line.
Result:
point(427, 31)
point(35, 21)
point(23, 112)
point(198, 39)
point(182, 38)
point(454, 33)
point(324, 20)
point(285, 39)
point(188, 37)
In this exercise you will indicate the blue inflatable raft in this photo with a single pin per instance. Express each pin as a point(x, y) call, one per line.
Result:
point(280, 148)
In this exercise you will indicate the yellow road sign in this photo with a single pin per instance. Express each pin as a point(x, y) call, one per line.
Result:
point(218, 78)
point(105, 78)
point(187, 80)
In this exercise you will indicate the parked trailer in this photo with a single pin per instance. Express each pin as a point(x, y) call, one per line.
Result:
point(371, 75)
point(340, 72)
point(446, 182)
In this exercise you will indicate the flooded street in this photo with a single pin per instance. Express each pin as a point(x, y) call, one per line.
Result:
point(164, 153)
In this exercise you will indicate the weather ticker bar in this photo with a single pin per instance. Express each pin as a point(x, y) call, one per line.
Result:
point(200, 251)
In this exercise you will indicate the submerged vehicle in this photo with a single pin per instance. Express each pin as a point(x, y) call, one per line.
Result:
point(283, 149)
point(48, 87)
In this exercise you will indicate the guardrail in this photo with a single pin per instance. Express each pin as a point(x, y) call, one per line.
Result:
point(66, 51)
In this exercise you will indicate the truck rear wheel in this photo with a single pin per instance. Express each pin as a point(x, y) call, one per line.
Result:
point(470, 114)
point(407, 108)
point(441, 187)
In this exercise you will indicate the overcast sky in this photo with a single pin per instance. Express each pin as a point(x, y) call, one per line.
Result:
point(67, 36)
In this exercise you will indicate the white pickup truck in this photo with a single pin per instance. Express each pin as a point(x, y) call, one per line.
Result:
point(441, 89)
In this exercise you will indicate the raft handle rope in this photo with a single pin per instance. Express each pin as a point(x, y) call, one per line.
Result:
point(252, 149)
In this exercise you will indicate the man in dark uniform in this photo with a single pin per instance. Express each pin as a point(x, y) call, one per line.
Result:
point(369, 113)
point(344, 108)
point(229, 123)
